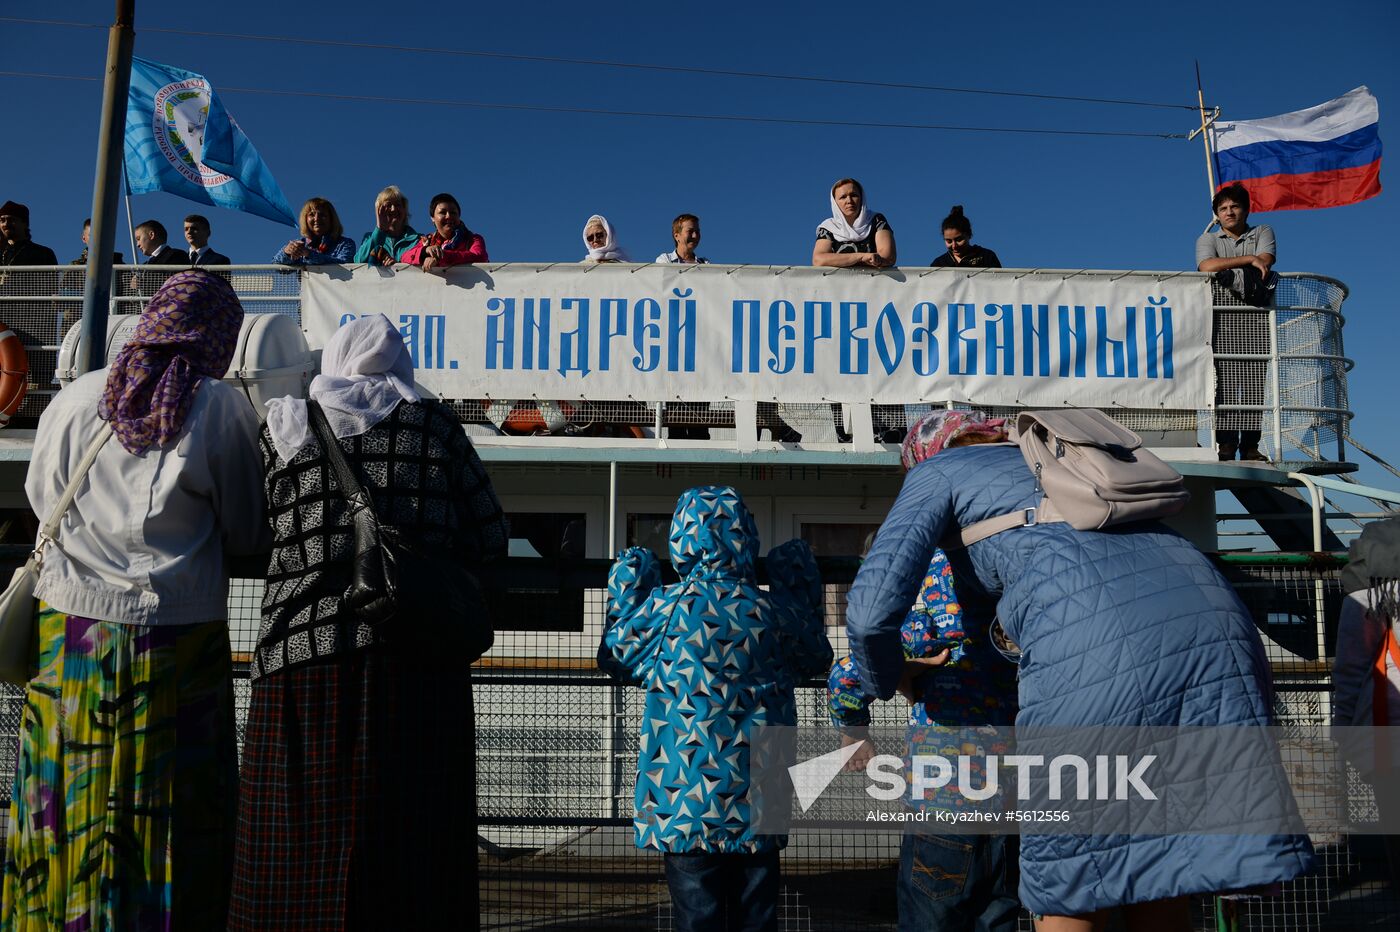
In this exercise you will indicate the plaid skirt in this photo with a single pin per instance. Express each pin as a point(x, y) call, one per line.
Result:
point(357, 808)
point(121, 814)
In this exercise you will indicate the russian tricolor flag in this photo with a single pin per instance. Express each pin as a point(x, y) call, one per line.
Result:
point(1324, 156)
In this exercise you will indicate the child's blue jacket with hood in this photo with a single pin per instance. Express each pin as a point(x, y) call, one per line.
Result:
point(716, 656)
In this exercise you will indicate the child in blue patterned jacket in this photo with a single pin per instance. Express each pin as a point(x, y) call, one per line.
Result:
point(934, 624)
point(945, 882)
point(716, 656)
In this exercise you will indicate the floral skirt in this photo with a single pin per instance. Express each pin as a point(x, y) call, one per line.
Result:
point(127, 765)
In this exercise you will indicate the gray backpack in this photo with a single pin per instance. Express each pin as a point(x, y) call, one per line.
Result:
point(1093, 472)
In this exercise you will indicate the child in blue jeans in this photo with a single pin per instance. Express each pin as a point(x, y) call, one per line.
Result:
point(946, 882)
point(716, 656)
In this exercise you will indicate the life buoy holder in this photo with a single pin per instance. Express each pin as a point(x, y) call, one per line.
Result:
point(14, 373)
point(528, 419)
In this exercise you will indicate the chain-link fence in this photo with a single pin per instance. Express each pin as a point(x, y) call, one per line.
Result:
point(557, 745)
point(1280, 370)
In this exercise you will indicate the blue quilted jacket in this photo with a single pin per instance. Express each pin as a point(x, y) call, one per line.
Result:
point(716, 656)
point(1131, 626)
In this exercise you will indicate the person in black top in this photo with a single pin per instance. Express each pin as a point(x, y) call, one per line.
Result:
point(853, 236)
point(87, 233)
point(957, 236)
point(16, 248)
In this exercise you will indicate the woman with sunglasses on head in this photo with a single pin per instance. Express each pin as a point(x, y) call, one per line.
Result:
point(957, 236)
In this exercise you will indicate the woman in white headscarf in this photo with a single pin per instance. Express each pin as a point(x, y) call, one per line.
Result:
point(357, 807)
point(853, 236)
point(600, 240)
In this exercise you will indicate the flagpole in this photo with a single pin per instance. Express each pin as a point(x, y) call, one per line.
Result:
point(1204, 130)
point(130, 229)
point(97, 290)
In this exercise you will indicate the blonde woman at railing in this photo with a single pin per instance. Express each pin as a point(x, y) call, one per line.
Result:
point(322, 241)
point(391, 236)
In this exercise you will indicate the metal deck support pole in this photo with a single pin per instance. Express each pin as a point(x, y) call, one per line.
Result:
point(612, 509)
point(614, 740)
point(1275, 381)
point(97, 290)
point(1315, 497)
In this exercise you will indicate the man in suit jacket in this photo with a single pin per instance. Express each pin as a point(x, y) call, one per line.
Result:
point(150, 242)
point(197, 235)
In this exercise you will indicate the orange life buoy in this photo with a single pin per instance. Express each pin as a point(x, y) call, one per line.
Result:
point(528, 419)
point(14, 373)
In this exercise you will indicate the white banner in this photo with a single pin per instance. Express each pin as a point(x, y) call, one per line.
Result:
point(709, 333)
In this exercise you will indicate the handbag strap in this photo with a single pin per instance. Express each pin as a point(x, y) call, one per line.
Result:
point(350, 487)
point(50, 529)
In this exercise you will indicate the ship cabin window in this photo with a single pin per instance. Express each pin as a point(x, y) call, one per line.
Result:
point(546, 597)
point(548, 535)
point(830, 538)
point(651, 530)
point(837, 539)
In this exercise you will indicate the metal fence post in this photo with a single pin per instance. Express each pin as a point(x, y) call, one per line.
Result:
point(1275, 381)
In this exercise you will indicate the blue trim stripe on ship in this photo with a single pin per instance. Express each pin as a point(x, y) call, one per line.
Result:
point(1293, 157)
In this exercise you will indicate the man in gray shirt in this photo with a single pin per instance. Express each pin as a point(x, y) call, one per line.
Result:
point(1242, 260)
point(1246, 252)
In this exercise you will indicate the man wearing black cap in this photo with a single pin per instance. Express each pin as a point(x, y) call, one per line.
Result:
point(16, 248)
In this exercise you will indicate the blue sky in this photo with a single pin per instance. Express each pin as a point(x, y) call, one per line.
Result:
point(528, 180)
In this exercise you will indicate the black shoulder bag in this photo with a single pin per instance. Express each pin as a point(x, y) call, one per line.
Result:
point(390, 576)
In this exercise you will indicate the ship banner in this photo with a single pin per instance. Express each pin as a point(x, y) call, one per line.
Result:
point(662, 332)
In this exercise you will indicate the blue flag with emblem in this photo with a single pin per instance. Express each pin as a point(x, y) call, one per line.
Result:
point(181, 140)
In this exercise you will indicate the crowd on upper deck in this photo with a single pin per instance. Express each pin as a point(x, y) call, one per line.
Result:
point(852, 236)
point(1241, 256)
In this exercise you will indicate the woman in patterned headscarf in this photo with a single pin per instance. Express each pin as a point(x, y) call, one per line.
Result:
point(126, 757)
point(1130, 626)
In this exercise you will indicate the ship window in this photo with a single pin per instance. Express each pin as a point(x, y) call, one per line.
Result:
point(543, 598)
point(836, 539)
point(651, 530)
point(548, 535)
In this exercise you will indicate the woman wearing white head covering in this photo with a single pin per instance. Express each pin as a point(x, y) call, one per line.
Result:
point(853, 236)
point(358, 758)
point(601, 242)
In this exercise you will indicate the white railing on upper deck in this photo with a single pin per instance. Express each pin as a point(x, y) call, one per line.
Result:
point(1281, 370)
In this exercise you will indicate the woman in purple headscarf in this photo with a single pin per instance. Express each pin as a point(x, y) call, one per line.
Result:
point(126, 757)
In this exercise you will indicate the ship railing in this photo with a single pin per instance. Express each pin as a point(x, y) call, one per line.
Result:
point(1281, 370)
point(557, 745)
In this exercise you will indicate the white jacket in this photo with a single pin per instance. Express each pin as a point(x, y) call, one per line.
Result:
point(145, 538)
